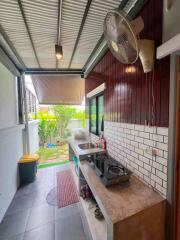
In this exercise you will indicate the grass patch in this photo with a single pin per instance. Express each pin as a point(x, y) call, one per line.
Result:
point(45, 165)
point(54, 152)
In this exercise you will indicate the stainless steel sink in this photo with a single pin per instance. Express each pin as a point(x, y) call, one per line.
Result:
point(85, 146)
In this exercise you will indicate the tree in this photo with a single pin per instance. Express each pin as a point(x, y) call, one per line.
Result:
point(47, 127)
point(80, 115)
point(63, 114)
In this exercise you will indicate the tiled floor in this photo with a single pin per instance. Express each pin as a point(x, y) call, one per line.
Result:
point(30, 217)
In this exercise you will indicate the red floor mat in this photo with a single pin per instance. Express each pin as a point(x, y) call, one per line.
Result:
point(67, 193)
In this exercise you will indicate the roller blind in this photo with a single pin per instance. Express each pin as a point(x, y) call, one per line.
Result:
point(62, 90)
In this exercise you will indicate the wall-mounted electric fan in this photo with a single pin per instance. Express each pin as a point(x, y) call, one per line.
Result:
point(122, 37)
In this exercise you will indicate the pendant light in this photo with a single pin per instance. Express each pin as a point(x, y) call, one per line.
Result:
point(58, 46)
point(58, 51)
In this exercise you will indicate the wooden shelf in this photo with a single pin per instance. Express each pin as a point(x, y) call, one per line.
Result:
point(98, 228)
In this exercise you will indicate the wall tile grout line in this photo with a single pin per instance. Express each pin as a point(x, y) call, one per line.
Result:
point(129, 143)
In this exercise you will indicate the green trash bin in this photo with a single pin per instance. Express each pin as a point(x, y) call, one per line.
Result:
point(28, 168)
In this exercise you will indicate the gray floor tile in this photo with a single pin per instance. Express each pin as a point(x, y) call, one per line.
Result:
point(62, 167)
point(14, 224)
point(46, 232)
point(39, 198)
point(70, 228)
point(20, 203)
point(16, 237)
point(22, 191)
point(66, 212)
point(40, 216)
point(38, 220)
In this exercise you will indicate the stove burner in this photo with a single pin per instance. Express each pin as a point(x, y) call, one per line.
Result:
point(116, 170)
point(110, 170)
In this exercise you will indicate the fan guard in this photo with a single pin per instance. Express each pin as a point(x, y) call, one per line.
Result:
point(122, 37)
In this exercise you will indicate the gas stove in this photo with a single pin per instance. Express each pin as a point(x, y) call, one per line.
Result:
point(110, 171)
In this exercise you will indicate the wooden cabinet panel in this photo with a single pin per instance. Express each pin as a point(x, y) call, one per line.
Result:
point(128, 95)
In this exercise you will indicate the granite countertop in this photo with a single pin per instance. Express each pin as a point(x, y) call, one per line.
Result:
point(81, 153)
point(119, 202)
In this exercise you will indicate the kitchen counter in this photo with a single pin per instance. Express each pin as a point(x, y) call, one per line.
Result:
point(83, 153)
point(132, 210)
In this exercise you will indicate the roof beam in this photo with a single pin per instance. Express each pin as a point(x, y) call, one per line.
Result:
point(28, 31)
point(64, 71)
point(59, 27)
point(123, 4)
point(80, 30)
point(8, 63)
point(136, 8)
point(59, 21)
point(6, 42)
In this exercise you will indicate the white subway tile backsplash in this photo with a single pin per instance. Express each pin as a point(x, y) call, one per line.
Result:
point(139, 151)
point(158, 138)
point(139, 139)
point(139, 127)
point(156, 179)
point(144, 135)
point(144, 159)
point(157, 166)
point(143, 171)
point(149, 129)
point(149, 142)
point(148, 167)
point(162, 131)
point(165, 170)
point(132, 145)
point(161, 161)
point(162, 146)
point(135, 133)
point(165, 139)
point(161, 175)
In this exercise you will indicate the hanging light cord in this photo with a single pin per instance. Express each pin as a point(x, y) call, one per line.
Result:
point(146, 121)
point(153, 100)
point(149, 105)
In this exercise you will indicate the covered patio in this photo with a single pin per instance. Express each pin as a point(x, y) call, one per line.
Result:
point(118, 176)
point(30, 216)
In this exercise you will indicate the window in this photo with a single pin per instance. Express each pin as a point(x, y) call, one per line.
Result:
point(96, 110)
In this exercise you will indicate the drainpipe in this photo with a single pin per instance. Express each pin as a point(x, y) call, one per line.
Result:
point(26, 132)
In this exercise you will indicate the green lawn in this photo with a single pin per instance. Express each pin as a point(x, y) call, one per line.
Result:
point(53, 156)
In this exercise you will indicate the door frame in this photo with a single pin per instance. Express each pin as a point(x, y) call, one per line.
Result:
point(173, 148)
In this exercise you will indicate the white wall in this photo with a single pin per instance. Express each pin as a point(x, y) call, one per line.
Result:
point(11, 148)
point(11, 143)
point(171, 20)
point(33, 136)
point(8, 113)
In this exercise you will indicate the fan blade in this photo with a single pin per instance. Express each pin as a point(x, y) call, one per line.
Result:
point(138, 25)
point(123, 53)
point(146, 54)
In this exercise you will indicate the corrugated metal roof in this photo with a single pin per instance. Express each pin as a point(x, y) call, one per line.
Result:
point(72, 14)
point(92, 30)
point(42, 16)
point(13, 24)
point(42, 20)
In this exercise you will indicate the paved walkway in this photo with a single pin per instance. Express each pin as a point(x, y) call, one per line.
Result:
point(30, 217)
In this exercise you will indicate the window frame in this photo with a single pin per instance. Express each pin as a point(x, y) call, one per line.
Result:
point(97, 133)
